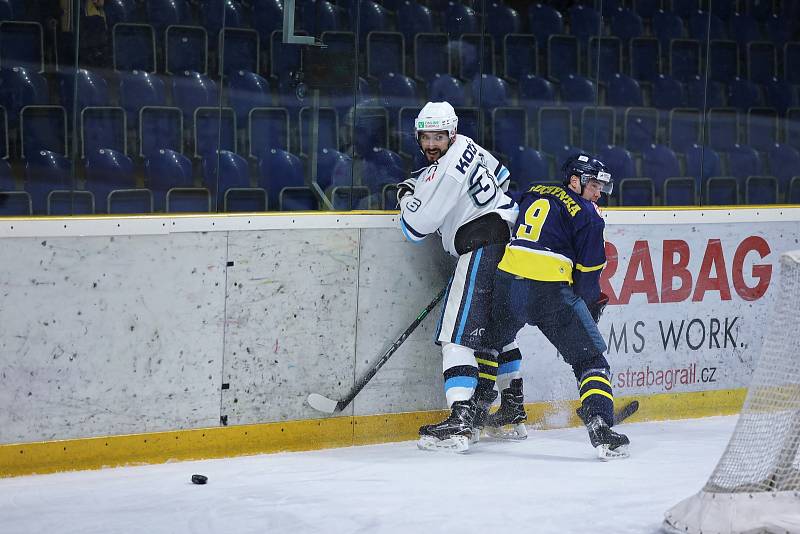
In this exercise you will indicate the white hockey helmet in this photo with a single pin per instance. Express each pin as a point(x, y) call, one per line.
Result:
point(437, 116)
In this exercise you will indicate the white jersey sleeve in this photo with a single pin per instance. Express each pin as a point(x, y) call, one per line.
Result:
point(464, 184)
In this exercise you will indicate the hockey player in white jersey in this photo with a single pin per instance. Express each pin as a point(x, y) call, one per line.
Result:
point(461, 196)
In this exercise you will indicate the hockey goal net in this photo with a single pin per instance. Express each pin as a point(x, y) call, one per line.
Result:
point(755, 487)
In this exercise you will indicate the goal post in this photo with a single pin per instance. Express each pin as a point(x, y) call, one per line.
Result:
point(755, 487)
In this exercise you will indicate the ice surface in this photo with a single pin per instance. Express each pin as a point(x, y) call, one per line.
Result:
point(550, 483)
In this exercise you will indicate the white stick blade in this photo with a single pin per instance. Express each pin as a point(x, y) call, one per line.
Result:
point(321, 404)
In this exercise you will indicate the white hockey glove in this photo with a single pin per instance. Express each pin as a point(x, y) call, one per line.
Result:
point(406, 187)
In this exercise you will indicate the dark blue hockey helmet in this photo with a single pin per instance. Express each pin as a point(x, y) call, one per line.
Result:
point(587, 167)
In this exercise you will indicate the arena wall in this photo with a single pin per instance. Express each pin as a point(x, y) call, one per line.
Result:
point(153, 338)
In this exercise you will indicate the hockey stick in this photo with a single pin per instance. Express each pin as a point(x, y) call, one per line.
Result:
point(324, 404)
point(619, 415)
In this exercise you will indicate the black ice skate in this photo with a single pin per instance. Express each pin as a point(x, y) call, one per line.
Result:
point(483, 402)
point(608, 444)
point(508, 422)
point(452, 434)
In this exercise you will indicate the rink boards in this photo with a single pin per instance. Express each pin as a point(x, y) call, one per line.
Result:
point(144, 339)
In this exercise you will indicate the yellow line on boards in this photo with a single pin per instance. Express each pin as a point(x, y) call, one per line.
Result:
point(18, 459)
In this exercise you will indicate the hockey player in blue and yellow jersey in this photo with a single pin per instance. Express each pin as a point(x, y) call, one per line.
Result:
point(549, 277)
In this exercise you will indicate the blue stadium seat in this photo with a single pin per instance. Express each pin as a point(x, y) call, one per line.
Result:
point(640, 128)
point(103, 127)
point(138, 89)
point(704, 95)
point(281, 175)
point(475, 55)
point(397, 91)
point(645, 58)
point(268, 128)
point(431, 55)
point(668, 93)
point(666, 27)
point(247, 90)
point(502, 20)
point(554, 128)
point(596, 127)
point(562, 56)
point(46, 171)
point(520, 56)
point(784, 164)
point(761, 190)
point(334, 169)
point(241, 48)
point(619, 161)
point(792, 125)
point(743, 161)
point(705, 24)
point(578, 89)
point(490, 92)
point(167, 170)
point(626, 25)
point(459, 19)
point(469, 122)
point(610, 57)
point(528, 165)
point(382, 167)
point(372, 17)
point(723, 61)
point(217, 13)
point(584, 22)
point(214, 129)
point(757, 9)
point(702, 162)
point(636, 192)
point(385, 53)
point(535, 91)
point(119, 11)
point(445, 88)
point(544, 21)
point(21, 45)
point(684, 59)
point(778, 29)
point(721, 191)
point(680, 191)
point(163, 13)
point(723, 128)
point(134, 47)
point(92, 89)
point(321, 16)
point(160, 127)
point(4, 141)
point(328, 129)
point(743, 94)
point(660, 162)
point(780, 94)
point(228, 174)
point(646, 8)
point(267, 17)
point(14, 203)
point(413, 18)
point(43, 128)
point(139, 200)
point(723, 8)
point(186, 49)
point(509, 129)
point(623, 91)
point(793, 195)
point(761, 128)
point(107, 170)
point(6, 11)
point(683, 8)
point(762, 61)
point(684, 128)
point(20, 87)
point(744, 29)
point(370, 129)
point(406, 143)
point(191, 90)
point(791, 62)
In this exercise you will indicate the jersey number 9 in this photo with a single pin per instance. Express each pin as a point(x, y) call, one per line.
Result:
point(535, 215)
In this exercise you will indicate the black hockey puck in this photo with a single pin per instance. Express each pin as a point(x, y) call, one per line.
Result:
point(199, 479)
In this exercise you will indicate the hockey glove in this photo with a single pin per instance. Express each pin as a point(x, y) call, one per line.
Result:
point(406, 187)
point(596, 309)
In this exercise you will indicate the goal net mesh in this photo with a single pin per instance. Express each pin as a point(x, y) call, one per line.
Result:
point(755, 487)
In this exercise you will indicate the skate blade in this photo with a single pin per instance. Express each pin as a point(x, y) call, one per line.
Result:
point(516, 432)
point(606, 454)
point(451, 444)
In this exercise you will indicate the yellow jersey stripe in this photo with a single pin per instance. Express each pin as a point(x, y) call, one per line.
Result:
point(597, 392)
point(534, 265)
point(487, 377)
point(585, 269)
point(598, 378)
point(490, 363)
